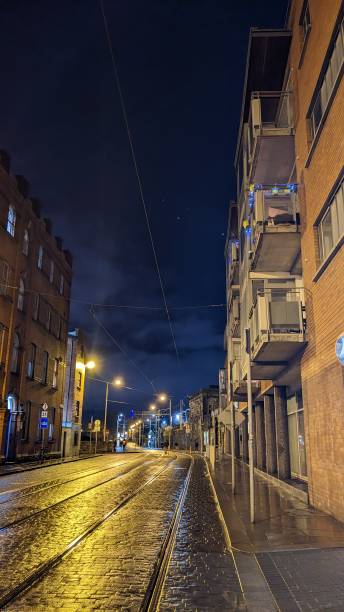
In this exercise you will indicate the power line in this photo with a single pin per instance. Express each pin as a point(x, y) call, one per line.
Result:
point(106, 331)
point(125, 117)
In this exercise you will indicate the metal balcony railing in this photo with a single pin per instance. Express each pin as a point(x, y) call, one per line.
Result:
point(270, 113)
point(277, 311)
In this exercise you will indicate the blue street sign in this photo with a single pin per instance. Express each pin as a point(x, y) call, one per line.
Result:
point(132, 413)
point(44, 423)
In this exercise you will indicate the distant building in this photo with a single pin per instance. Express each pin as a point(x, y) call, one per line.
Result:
point(74, 388)
point(284, 252)
point(35, 283)
point(201, 406)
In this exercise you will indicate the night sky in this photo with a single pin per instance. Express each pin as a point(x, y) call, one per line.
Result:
point(181, 65)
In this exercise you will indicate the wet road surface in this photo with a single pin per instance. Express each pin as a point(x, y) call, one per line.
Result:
point(112, 568)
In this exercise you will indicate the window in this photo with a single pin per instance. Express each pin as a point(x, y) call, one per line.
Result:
point(45, 363)
point(31, 361)
point(26, 243)
point(76, 438)
point(40, 258)
point(51, 273)
point(79, 380)
point(305, 21)
point(21, 294)
point(325, 89)
point(35, 306)
point(77, 411)
point(55, 373)
point(331, 225)
point(25, 421)
point(48, 319)
point(4, 274)
point(61, 284)
point(15, 355)
point(52, 425)
point(11, 220)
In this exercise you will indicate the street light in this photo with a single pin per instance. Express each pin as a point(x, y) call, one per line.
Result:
point(163, 398)
point(118, 382)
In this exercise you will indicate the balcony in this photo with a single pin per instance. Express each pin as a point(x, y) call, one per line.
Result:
point(277, 331)
point(232, 262)
point(276, 233)
point(234, 318)
point(270, 138)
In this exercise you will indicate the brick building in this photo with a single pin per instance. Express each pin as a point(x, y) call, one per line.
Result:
point(201, 406)
point(284, 261)
point(73, 393)
point(35, 282)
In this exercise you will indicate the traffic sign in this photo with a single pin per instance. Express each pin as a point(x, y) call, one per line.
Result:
point(44, 423)
point(96, 425)
point(44, 411)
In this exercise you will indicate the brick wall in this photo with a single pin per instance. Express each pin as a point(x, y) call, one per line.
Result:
point(322, 375)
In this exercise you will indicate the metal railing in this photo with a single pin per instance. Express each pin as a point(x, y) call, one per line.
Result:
point(269, 111)
point(277, 311)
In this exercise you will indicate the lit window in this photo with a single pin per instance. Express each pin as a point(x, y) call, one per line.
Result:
point(26, 243)
point(45, 364)
point(40, 258)
point(55, 373)
point(31, 361)
point(328, 82)
point(61, 284)
point(79, 380)
point(15, 354)
point(77, 410)
point(21, 293)
point(11, 220)
point(331, 225)
point(4, 274)
point(51, 273)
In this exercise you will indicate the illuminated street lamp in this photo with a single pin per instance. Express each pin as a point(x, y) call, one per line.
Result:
point(163, 398)
point(118, 382)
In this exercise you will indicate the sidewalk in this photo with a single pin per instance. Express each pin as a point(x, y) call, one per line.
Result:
point(292, 557)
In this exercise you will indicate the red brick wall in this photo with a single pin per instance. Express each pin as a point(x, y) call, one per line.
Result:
point(322, 375)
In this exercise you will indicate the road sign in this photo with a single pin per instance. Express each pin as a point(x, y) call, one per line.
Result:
point(96, 425)
point(44, 411)
point(44, 423)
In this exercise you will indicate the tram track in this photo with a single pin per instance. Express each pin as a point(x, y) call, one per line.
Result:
point(155, 585)
point(23, 519)
point(51, 484)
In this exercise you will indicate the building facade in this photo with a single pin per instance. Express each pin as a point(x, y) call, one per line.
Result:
point(201, 406)
point(284, 256)
point(35, 281)
point(74, 386)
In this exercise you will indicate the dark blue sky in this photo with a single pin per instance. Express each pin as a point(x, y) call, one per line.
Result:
point(181, 65)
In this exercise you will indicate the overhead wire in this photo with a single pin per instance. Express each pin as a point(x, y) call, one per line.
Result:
point(105, 305)
point(121, 349)
point(125, 117)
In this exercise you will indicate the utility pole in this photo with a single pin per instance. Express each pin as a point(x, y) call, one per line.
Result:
point(170, 430)
point(181, 403)
point(233, 445)
point(105, 411)
point(250, 424)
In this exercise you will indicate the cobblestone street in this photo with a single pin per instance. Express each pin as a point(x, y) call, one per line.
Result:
point(112, 568)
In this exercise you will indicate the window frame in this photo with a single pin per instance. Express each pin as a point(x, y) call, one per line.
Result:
point(45, 367)
point(21, 295)
point(331, 208)
point(25, 428)
point(26, 243)
point(31, 363)
point(323, 96)
point(4, 277)
point(55, 373)
point(40, 257)
point(11, 222)
point(15, 354)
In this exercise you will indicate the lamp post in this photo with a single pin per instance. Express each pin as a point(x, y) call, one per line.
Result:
point(162, 398)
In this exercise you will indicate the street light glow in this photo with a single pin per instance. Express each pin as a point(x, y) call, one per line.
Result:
point(118, 382)
point(90, 365)
point(152, 406)
point(163, 397)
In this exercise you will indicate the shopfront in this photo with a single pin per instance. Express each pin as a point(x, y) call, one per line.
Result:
point(296, 430)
